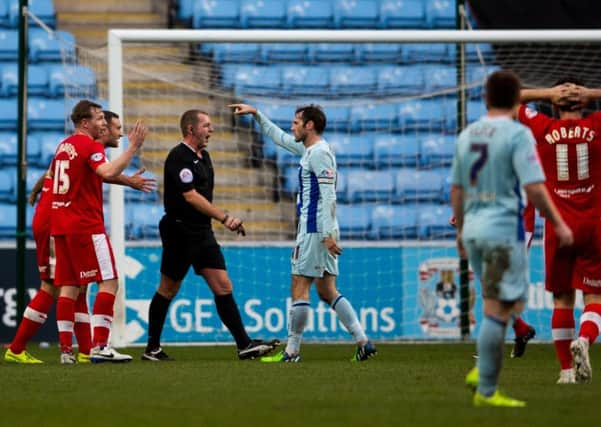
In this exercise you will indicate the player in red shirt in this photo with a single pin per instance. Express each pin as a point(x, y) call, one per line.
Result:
point(37, 310)
point(83, 250)
point(570, 152)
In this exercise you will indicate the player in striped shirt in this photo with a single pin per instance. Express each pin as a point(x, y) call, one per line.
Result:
point(314, 258)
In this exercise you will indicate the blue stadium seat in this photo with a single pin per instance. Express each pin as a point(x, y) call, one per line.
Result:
point(44, 48)
point(185, 9)
point(4, 19)
point(427, 52)
point(436, 149)
point(395, 150)
point(263, 14)
point(394, 222)
point(37, 80)
point(475, 109)
point(539, 225)
point(132, 195)
point(285, 52)
point(352, 149)
point(8, 148)
point(356, 14)
point(8, 190)
point(373, 117)
point(8, 114)
point(332, 52)
point(402, 14)
point(48, 142)
point(43, 9)
point(341, 186)
point(354, 221)
point(369, 186)
point(143, 220)
point(305, 80)
point(283, 158)
point(352, 80)
point(310, 14)
point(445, 179)
point(216, 14)
point(8, 220)
point(9, 43)
point(232, 52)
point(34, 151)
point(473, 50)
point(401, 80)
point(440, 77)
point(338, 118)
point(379, 52)
point(433, 222)
point(414, 185)
point(135, 161)
point(75, 80)
point(33, 175)
point(290, 180)
point(46, 113)
point(424, 114)
point(261, 80)
point(476, 77)
point(441, 13)
point(280, 114)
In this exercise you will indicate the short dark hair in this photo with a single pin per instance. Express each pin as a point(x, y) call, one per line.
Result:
point(570, 106)
point(315, 114)
point(503, 90)
point(83, 110)
point(190, 117)
point(110, 115)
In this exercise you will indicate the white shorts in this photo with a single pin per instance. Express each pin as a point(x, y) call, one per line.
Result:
point(310, 257)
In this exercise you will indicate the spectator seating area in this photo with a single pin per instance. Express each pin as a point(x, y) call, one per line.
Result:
point(391, 108)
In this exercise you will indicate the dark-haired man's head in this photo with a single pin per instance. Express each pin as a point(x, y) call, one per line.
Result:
point(575, 105)
point(111, 136)
point(502, 90)
point(308, 119)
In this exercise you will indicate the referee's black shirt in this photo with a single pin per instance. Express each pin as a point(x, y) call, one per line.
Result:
point(185, 171)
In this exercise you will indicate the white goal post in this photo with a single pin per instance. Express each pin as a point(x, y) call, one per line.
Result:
point(118, 38)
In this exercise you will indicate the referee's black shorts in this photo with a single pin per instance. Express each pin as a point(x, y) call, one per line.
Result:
point(185, 246)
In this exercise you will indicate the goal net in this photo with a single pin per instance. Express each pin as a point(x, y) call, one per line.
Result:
point(394, 103)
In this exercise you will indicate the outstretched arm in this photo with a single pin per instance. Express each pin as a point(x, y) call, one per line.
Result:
point(270, 129)
point(135, 181)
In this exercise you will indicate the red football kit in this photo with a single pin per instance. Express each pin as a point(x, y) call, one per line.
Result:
point(570, 151)
point(83, 251)
point(40, 225)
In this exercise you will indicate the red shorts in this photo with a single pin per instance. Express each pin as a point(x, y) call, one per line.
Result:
point(44, 247)
point(577, 266)
point(83, 258)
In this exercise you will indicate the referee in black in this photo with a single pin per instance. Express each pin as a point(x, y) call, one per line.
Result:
point(188, 238)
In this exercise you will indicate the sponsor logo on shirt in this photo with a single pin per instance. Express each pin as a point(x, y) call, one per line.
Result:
point(186, 175)
point(591, 282)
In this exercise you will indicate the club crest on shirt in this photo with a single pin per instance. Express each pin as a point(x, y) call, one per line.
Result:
point(530, 113)
point(186, 176)
point(96, 157)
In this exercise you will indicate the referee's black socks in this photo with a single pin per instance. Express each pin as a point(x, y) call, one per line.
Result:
point(230, 316)
point(156, 319)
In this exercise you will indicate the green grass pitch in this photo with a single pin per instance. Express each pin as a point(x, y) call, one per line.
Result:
point(405, 385)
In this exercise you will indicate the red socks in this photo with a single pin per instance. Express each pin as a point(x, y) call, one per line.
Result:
point(82, 330)
point(33, 318)
point(65, 317)
point(590, 322)
point(562, 325)
point(520, 327)
point(102, 318)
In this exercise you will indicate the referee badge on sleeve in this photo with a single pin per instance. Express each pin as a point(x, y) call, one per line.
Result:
point(186, 176)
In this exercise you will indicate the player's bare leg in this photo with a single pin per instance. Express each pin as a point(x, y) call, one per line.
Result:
point(562, 329)
point(590, 324)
